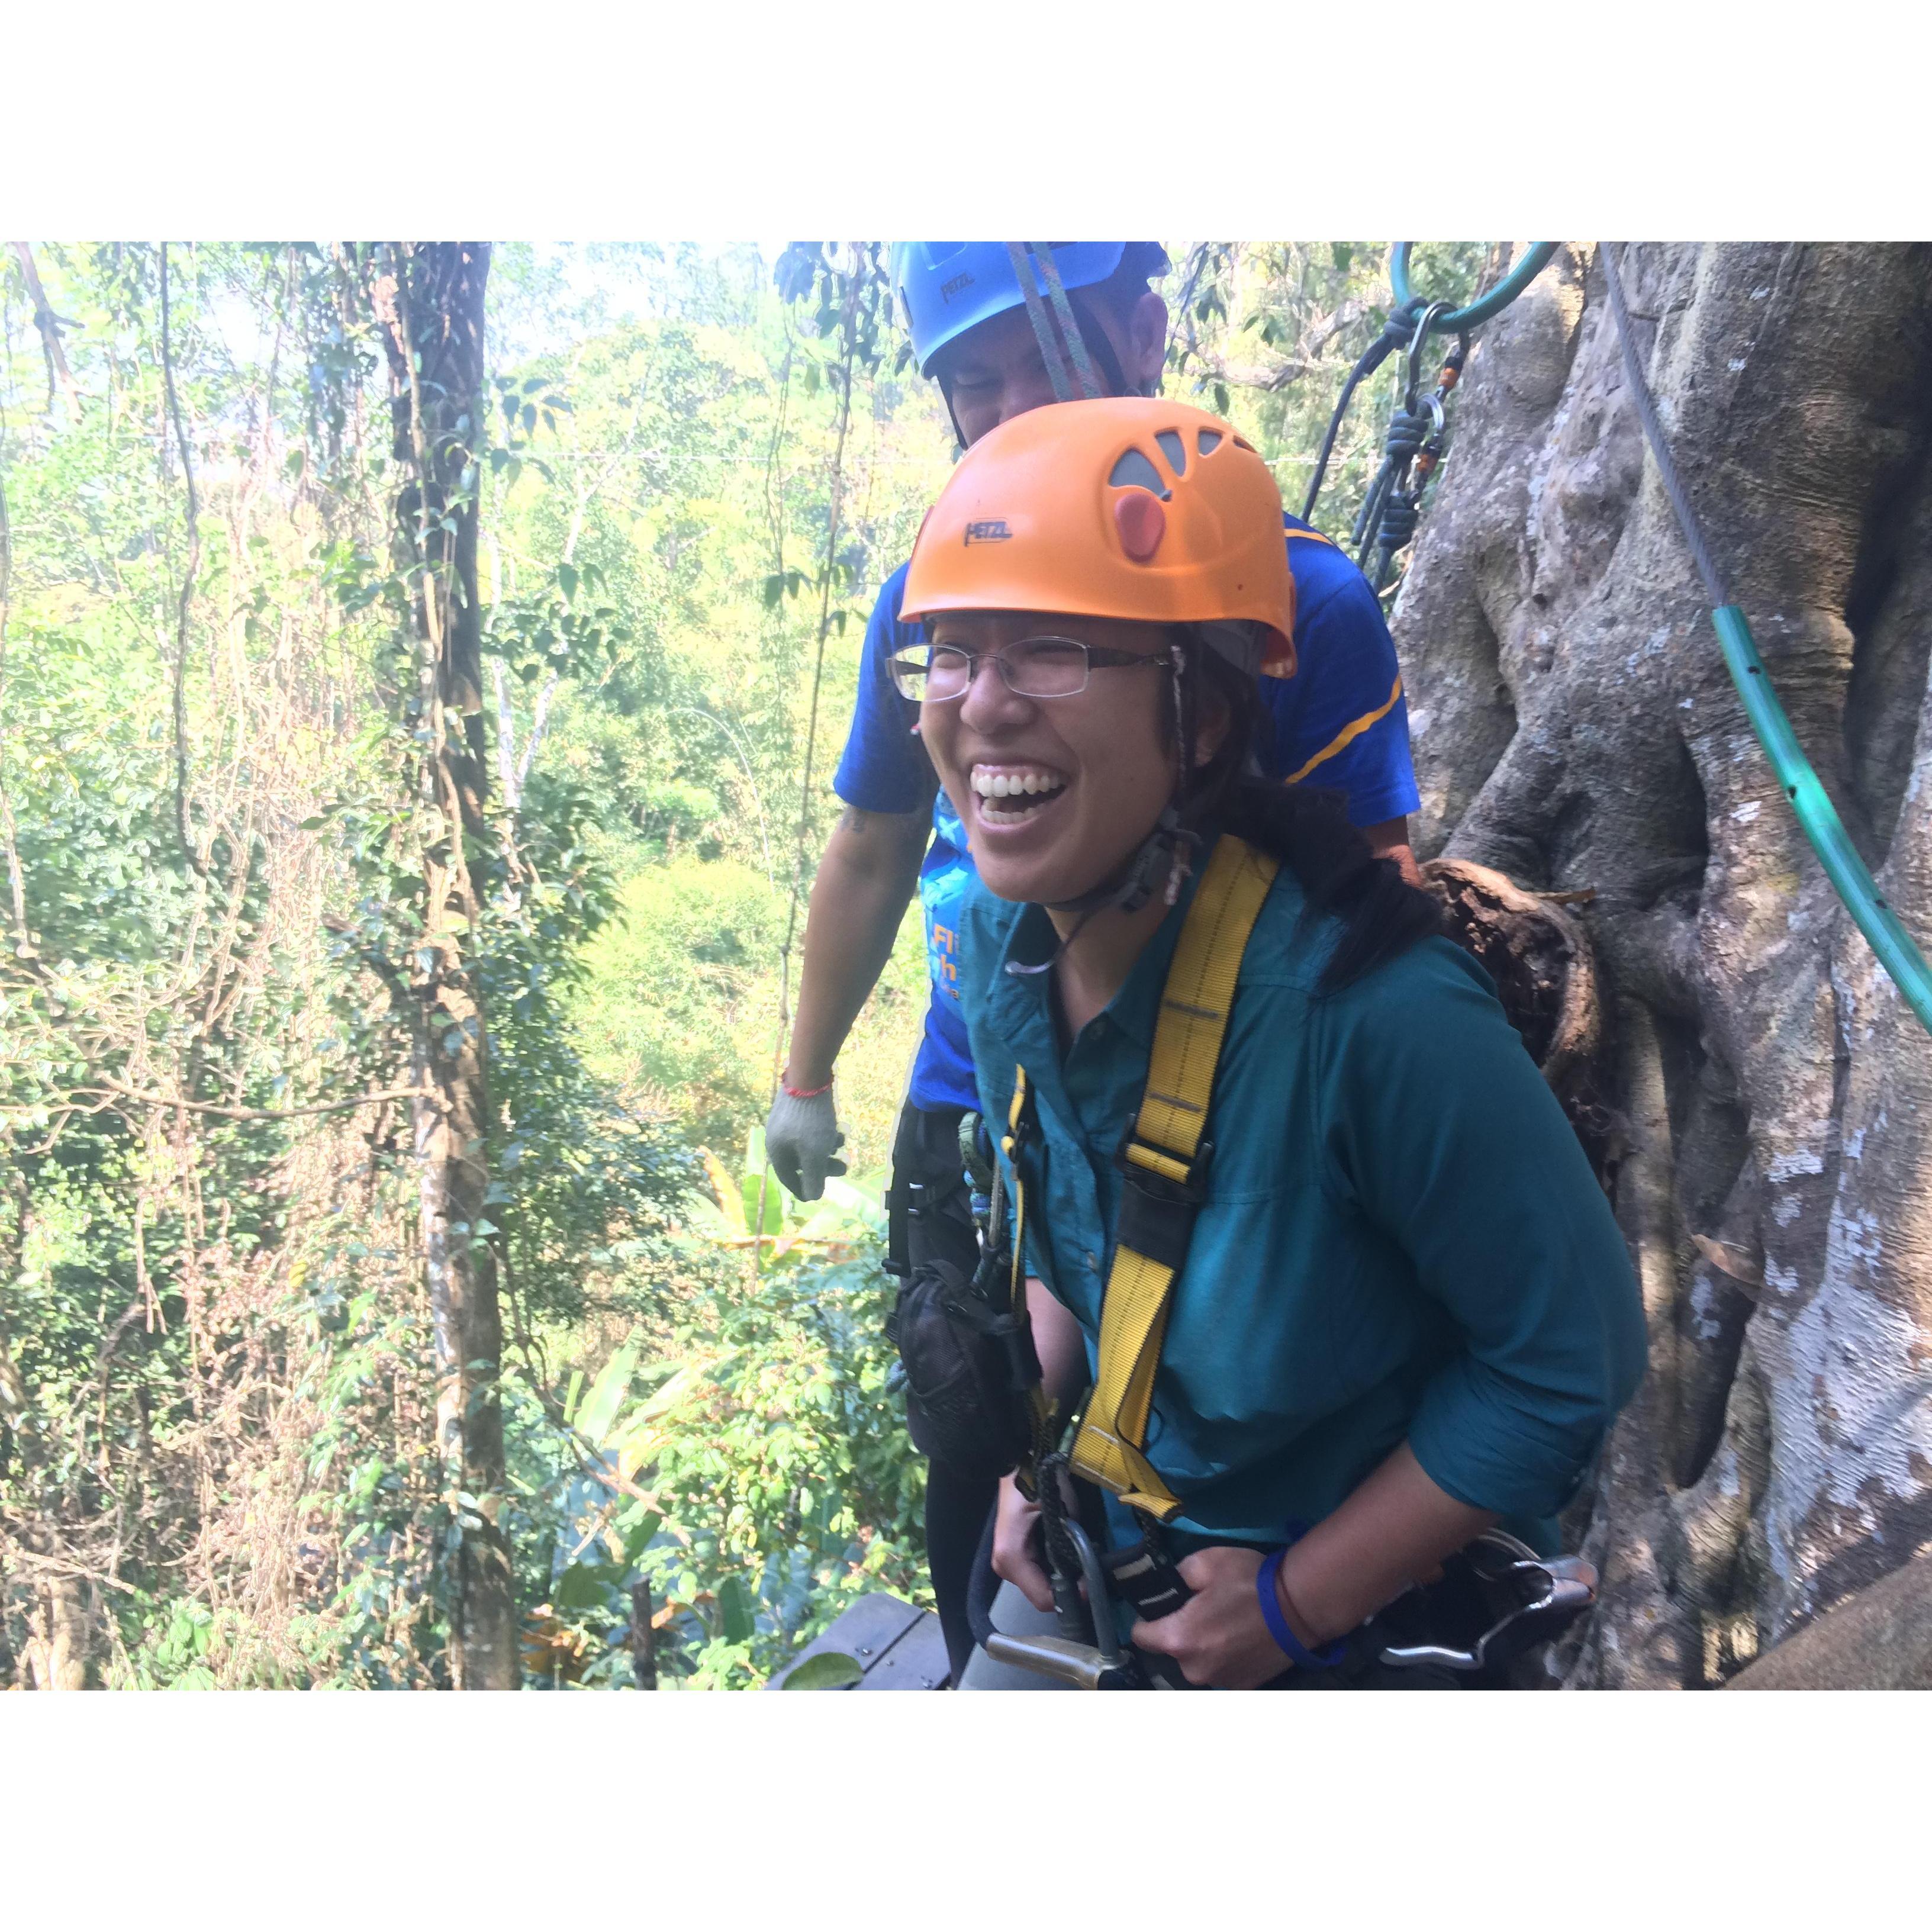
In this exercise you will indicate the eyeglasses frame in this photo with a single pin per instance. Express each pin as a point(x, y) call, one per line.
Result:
point(1099, 657)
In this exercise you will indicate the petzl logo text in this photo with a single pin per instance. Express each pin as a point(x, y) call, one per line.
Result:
point(947, 290)
point(992, 530)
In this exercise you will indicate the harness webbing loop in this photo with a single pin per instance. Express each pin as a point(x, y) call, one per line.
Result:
point(1163, 1162)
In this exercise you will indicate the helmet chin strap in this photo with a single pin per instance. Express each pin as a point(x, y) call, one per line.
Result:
point(1170, 844)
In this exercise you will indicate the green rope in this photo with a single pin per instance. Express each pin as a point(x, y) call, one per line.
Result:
point(1816, 815)
point(1536, 259)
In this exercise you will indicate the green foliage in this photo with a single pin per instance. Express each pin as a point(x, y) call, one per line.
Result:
point(759, 1482)
point(671, 1009)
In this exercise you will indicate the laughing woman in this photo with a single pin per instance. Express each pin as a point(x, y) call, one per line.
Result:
point(1398, 1309)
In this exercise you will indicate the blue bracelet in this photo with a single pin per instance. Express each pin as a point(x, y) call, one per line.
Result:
point(1279, 1627)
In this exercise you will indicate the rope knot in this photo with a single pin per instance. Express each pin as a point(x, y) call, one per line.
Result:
point(1408, 430)
point(1399, 518)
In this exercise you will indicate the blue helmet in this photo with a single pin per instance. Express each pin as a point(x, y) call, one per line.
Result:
point(943, 288)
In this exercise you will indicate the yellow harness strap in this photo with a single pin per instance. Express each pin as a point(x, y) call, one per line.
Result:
point(1039, 1405)
point(1161, 1161)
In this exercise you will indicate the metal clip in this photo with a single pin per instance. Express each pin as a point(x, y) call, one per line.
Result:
point(1568, 1587)
point(1101, 1665)
point(1080, 1665)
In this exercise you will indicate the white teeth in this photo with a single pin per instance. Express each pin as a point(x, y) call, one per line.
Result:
point(1001, 785)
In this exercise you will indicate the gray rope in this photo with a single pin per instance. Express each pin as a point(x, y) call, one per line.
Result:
point(1088, 382)
point(1057, 373)
point(1715, 585)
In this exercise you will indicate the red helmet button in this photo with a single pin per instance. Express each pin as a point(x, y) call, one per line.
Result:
point(1141, 522)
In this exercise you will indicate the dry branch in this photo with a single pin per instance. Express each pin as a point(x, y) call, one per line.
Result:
point(60, 377)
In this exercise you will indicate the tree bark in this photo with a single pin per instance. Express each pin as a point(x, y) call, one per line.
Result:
point(1575, 728)
point(430, 299)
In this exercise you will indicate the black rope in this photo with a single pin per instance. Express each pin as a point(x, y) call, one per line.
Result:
point(1411, 450)
point(1714, 586)
point(1397, 330)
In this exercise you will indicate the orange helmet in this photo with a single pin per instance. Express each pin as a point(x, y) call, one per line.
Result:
point(1125, 507)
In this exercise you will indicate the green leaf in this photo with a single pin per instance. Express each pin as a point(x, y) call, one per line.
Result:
point(608, 1393)
point(773, 1220)
point(829, 1670)
point(638, 1537)
point(586, 1586)
point(734, 1605)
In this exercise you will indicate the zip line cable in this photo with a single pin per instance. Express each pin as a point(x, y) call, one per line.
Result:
point(1817, 816)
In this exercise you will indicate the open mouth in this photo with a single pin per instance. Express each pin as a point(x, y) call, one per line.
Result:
point(1012, 794)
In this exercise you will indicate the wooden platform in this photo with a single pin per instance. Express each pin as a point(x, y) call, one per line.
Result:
point(896, 1646)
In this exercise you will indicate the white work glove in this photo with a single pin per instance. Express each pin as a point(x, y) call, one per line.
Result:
point(801, 1140)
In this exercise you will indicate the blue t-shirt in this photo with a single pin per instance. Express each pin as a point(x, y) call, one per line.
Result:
point(1340, 720)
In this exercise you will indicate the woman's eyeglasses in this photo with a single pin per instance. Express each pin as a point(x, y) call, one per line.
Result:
point(1034, 668)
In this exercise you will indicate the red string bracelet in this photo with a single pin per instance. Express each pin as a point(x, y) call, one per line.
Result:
point(807, 1093)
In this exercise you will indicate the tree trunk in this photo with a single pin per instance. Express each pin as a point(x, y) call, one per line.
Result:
point(429, 298)
point(1575, 728)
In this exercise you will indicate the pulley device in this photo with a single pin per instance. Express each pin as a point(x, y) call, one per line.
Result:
point(1416, 430)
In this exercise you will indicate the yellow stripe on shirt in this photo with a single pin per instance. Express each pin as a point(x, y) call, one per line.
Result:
point(1348, 734)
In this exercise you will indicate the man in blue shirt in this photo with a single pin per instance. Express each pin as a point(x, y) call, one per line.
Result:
point(1340, 721)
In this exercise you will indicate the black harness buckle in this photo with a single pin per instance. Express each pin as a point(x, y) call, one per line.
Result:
point(1157, 1212)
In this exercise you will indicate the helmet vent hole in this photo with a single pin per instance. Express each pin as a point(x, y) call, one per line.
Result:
point(1208, 441)
point(1174, 449)
point(1242, 443)
point(1136, 471)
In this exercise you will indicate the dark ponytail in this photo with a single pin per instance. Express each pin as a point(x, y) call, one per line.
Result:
point(1305, 827)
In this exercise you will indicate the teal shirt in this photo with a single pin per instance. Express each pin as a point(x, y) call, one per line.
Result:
point(1401, 1237)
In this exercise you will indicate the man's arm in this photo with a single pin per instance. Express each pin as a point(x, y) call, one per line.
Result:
point(867, 873)
point(867, 876)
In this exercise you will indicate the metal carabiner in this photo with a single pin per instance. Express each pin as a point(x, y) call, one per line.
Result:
point(1569, 1586)
point(1424, 323)
point(1099, 1666)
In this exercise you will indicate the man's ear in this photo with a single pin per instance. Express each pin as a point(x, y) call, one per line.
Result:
point(1147, 343)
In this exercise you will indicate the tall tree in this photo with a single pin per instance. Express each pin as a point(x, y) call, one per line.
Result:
point(1574, 726)
point(429, 298)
